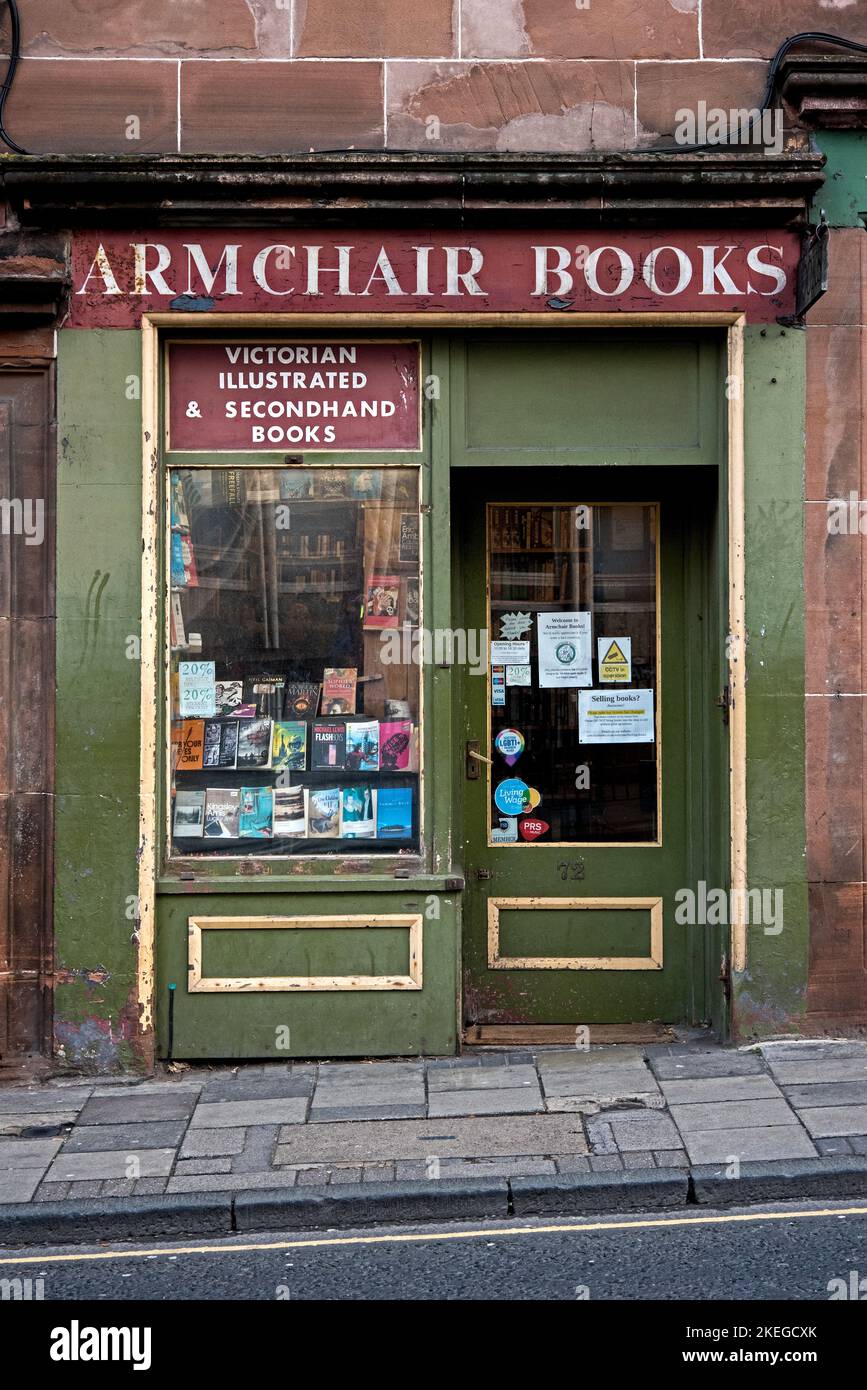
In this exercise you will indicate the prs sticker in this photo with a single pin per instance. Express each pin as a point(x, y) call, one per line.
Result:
point(532, 829)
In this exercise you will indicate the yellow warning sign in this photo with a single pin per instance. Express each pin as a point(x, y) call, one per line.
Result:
point(615, 660)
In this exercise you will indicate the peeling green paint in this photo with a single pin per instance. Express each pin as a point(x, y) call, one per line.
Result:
point(843, 196)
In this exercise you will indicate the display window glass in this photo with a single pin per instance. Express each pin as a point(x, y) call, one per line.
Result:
point(574, 673)
point(293, 594)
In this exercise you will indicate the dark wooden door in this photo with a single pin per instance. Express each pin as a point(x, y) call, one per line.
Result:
point(27, 620)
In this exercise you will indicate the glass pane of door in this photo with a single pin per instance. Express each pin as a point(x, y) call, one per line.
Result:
point(573, 697)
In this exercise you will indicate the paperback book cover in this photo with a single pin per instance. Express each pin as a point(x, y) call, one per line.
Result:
point(324, 812)
point(338, 689)
point(190, 739)
point(222, 813)
point(188, 555)
point(329, 745)
point(290, 811)
point(383, 601)
point(257, 808)
point(411, 609)
point(394, 813)
point(265, 694)
point(180, 517)
point(189, 813)
point(365, 483)
point(295, 482)
point(228, 487)
point(212, 741)
point(178, 630)
point(356, 813)
point(300, 699)
point(362, 746)
point(229, 695)
point(289, 745)
point(229, 744)
point(331, 484)
point(407, 545)
point(254, 743)
point(179, 574)
point(395, 738)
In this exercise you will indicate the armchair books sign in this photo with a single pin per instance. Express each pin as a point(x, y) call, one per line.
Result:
point(118, 276)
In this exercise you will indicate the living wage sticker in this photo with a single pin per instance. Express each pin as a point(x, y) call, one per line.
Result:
point(512, 797)
point(197, 689)
point(510, 743)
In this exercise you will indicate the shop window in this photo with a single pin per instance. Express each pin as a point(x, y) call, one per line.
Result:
point(574, 662)
point(294, 720)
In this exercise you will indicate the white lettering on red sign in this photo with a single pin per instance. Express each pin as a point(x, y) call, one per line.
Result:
point(116, 277)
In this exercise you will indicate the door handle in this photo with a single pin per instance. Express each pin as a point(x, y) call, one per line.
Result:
point(474, 757)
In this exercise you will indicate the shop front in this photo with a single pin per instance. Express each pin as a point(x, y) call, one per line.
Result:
point(405, 582)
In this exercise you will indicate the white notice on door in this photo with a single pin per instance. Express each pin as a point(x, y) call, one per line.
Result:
point(615, 716)
point(510, 653)
point(565, 652)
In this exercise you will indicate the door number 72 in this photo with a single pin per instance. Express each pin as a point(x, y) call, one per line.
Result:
point(571, 869)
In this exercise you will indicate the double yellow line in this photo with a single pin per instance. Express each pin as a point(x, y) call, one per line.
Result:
point(420, 1238)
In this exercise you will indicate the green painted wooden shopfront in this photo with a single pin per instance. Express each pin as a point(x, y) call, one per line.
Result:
point(520, 429)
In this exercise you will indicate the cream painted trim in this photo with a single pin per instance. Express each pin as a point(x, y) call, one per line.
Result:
point(282, 984)
point(468, 320)
point(651, 962)
point(150, 618)
point(737, 644)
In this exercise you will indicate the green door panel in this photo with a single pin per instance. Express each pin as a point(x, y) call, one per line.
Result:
point(585, 398)
point(344, 1021)
point(628, 985)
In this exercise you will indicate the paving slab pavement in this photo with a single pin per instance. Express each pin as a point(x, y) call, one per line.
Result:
point(447, 1137)
point(836, 1120)
point(792, 1071)
point(771, 1141)
point(501, 1114)
point(733, 1114)
point(710, 1089)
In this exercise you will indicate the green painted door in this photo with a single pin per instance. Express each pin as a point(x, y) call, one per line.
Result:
point(590, 788)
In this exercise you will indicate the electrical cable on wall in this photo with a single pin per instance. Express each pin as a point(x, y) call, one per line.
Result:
point(808, 36)
point(6, 87)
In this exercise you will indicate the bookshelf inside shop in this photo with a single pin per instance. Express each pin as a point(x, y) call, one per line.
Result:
point(294, 716)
